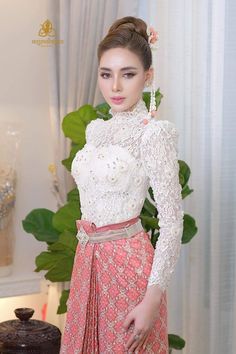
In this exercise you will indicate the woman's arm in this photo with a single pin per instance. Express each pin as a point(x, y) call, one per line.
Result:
point(160, 161)
point(159, 154)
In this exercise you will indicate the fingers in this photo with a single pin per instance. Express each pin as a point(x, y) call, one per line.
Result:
point(134, 341)
point(146, 340)
point(141, 344)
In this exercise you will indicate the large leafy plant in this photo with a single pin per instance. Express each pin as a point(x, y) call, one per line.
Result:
point(58, 229)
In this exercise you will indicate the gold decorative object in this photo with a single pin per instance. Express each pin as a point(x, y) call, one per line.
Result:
point(9, 143)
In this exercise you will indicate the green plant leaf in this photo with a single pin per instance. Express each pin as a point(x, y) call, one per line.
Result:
point(73, 196)
point(190, 228)
point(68, 161)
point(158, 97)
point(184, 172)
point(103, 111)
point(150, 191)
point(74, 124)
point(149, 208)
point(48, 260)
point(145, 226)
point(62, 308)
point(65, 217)
point(74, 128)
point(39, 223)
point(62, 270)
point(87, 113)
point(154, 239)
point(150, 221)
point(67, 240)
point(176, 342)
point(186, 191)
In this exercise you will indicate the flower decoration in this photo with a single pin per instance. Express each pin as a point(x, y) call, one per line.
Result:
point(153, 37)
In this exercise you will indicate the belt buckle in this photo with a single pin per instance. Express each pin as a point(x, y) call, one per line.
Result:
point(82, 236)
point(127, 230)
point(131, 229)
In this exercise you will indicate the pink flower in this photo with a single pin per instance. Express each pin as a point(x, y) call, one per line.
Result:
point(153, 35)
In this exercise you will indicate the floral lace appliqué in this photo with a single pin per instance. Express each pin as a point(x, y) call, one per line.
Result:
point(122, 157)
point(159, 155)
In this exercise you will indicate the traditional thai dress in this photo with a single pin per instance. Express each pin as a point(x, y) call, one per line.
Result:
point(115, 261)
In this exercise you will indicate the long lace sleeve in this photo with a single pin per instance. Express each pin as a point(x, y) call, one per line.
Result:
point(159, 154)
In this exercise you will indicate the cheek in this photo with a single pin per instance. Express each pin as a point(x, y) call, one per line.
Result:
point(137, 84)
point(103, 84)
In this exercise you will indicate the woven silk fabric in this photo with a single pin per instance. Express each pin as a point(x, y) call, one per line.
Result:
point(108, 280)
point(122, 157)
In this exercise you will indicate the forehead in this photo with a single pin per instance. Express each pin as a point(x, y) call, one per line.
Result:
point(116, 58)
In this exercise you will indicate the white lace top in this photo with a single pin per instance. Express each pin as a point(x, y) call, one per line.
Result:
point(122, 157)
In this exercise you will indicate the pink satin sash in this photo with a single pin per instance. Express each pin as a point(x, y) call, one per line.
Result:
point(90, 227)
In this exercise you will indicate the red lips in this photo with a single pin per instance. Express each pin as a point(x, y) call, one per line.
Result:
point(118, 99)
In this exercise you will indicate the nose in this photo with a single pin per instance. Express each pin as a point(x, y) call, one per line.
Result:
point(116, 85)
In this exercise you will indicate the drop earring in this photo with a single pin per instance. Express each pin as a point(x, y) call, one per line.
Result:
point(153, 37)
point(152, 107)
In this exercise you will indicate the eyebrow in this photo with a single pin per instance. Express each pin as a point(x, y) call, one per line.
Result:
point(122, 69)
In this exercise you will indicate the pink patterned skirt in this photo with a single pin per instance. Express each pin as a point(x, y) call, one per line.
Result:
point(109, 279)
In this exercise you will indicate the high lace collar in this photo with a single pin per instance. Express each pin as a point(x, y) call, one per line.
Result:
point(139, 110)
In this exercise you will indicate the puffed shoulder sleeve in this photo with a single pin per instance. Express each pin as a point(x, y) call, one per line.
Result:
point(89, 130)
point(94, 130)
point(159, 155)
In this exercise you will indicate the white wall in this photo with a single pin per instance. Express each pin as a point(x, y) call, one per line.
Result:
point(24, 100)
point(35, 301)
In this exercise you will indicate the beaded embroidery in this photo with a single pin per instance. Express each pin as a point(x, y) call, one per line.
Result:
point(122, 157)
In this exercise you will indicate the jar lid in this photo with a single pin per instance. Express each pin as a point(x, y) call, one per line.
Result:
point(25, 333)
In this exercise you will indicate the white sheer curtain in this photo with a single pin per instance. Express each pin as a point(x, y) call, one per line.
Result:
point(196, 73)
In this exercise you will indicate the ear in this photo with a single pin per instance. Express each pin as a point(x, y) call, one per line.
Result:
point(149, 75)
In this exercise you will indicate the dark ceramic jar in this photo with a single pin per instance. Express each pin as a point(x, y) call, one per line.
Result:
point(27, 336)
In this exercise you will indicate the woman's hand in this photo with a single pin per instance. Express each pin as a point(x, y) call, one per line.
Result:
point(144, 316)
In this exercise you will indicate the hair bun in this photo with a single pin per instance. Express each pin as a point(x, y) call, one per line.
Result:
point(131, 33)
point(132, 24)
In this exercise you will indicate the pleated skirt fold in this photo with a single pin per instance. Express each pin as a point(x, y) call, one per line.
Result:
point(108, 280)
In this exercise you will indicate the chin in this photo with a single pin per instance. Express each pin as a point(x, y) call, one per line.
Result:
point(121, 107)
point(118, 107)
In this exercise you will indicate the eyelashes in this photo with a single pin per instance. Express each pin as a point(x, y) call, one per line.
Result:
point(106, 75)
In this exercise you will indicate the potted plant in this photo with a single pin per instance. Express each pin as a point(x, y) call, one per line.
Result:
point(58, 229)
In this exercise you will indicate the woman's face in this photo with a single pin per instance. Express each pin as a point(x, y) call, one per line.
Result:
point(121, 74)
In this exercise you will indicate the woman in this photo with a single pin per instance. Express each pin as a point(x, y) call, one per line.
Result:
point(117, 301)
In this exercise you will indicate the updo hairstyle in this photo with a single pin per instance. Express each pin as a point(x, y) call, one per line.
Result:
point(131, 33)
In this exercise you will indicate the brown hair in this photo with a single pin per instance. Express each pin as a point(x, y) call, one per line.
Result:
point(128, 32)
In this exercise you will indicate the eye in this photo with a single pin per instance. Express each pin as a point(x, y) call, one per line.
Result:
point(106, 75)
point(130, 75)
